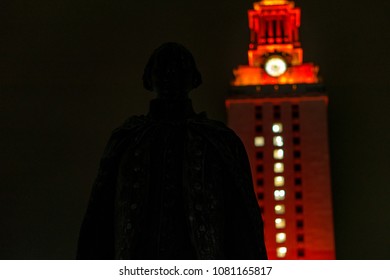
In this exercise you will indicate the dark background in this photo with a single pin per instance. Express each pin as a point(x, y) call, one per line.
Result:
point(70, 72)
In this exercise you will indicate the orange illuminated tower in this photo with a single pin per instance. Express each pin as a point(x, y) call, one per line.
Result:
point(278, 107)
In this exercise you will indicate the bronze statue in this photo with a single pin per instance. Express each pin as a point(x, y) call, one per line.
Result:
point(172, 184)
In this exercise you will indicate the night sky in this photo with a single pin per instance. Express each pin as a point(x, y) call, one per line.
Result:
point(70, 72)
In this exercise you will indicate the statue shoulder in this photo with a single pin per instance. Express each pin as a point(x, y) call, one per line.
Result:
point(132, 122)
point(124, 134)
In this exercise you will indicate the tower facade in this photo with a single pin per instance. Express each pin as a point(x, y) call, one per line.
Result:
point(278, 107)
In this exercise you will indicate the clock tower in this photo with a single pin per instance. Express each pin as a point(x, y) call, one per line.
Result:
point(278, 107)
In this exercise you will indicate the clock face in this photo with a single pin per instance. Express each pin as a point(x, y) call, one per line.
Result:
point(275, 66)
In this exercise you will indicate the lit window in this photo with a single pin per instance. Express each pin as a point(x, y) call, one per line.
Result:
point(278, 141)
point(281, 252)
point(280, 237)
point(278, 167)
point(279, 181)
point(278, 154)
point(259, 141)
point(279, 209)
point(277, 127)
point(279, 194)
point(280, 223)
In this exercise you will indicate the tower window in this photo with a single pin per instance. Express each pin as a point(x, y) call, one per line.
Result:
point(301, 252)
point(296, 127)
point(259, 155)
point(260, 196)
point(277, 127)
point(300, 224)
point(298, 181)
point(276, 112)
point(278, 141)
point(278, 167)
point(281, 252)
point(299, 209)
point(280, 223)
point(297, 167)
point(297, 154)
point(278, 154)
point(258, 112)
point(279, 181)
point(259, 141)
point(259, 128)
point(259, 182)
point(279, 195)
point(295, 111)
point(296, 141)
point(279, 209)
point(298, 195)
point(260, 168)
point(280, 237)
point(300, 238)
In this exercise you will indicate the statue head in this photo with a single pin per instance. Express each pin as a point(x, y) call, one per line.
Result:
point(171, 72)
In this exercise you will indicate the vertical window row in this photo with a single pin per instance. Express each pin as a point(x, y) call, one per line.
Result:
point(259, 143)
point(296, 129)
point(279, 182)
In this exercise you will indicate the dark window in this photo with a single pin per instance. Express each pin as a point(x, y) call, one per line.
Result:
point(277, 112)
point(298, 195)
point(295, 111)
point(299, 209)
point(259, 155)
point(260, 196)
point(300, 238)
point(259, 128)
point(259, 168)
point(299, 224)
point(296, 127)
point(258, 109)
point(260, 182)
point(259, 116)
point(297, 167)
point(298, 181)
point(296, 140)
point(301, 252)
point(297, 154)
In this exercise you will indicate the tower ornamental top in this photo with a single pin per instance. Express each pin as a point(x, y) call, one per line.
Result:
point(275, 55)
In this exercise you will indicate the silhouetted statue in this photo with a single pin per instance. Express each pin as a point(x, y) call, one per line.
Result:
point(172, 184)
